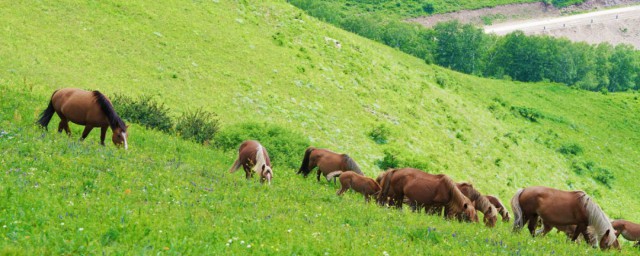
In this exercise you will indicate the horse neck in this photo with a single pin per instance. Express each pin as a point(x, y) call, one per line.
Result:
point(486, 207)
point(597, 218)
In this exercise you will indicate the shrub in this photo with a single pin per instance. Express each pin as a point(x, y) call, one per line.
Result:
point(603, 176)
point(379, 134)
point(528, 113)
point(570, 149)
point(198, 125)
point(144, 111)
point(388, 161)
point(286, 148)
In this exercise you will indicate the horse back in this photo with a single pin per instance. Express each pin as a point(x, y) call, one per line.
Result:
point(79, 106)
point(555, 206)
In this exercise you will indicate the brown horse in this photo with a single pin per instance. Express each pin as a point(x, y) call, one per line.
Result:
point(361, 184)
point(500, 207)
point(558, 208)
point(253, 158)
point(88, 108)
point(327, 162)
point(427, 191)
point(569, 231)
point(628, 230)
point(480, 202)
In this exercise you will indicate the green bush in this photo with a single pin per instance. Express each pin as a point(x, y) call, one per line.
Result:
point(286, 148)
point(198, 125)
point(603, 176)
point(144, 111)
point(380, 134)
point(388, 161)
point(570, 149)
point(528, 113)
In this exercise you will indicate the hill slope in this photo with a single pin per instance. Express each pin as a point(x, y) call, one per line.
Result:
point(269, 63)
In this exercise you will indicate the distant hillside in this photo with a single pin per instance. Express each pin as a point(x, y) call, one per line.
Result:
point(268, 62)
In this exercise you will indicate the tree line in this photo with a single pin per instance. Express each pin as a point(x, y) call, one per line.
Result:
point(466, 48)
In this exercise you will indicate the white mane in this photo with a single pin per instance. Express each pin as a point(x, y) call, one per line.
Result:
point(598, 219)
point(260, 160)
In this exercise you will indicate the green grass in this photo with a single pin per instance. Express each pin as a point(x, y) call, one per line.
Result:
point(267, 62)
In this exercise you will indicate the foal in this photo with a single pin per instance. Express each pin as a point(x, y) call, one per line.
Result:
point(361, 184)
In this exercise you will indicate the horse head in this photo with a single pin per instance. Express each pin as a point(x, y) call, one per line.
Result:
point(606, 243)
point(470, 213)
point(120, 137)
point(266, 174)
point(490, 216)
point(505, 215)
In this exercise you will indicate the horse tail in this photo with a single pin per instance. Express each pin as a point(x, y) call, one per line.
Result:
point(333, 174)
point(235, 165)
point(304, 167)
point(351, 164)
point(46, 115)
point(385, 186)
point(517, 211)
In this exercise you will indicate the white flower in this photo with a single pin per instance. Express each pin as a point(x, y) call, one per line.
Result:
point(242, 242)
point(227, 244)
point(289, 230)
point(230, 241)
point(249, 246)
point(62, 224)
point(80, 229)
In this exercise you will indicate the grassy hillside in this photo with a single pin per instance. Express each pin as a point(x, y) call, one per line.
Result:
point(267, 62)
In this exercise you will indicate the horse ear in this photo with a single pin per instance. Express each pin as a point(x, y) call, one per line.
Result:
point(263, 167)
point(606, 233)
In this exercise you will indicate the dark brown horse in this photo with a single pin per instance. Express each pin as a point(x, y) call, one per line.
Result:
point(253, 158)
point(500, 207)
point(480, 202)
point(327, 162)
point(361, 184)
point(88, 108)
point(426, 191)
point(559, 208)
point(628, 230)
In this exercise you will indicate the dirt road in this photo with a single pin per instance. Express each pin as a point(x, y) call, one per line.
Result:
point(621, 25)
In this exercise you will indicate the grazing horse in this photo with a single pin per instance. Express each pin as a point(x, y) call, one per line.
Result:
point(558, 208)
point(569, 231)
point(253, 158)
point(88, 108)
point(427, 191)
point(480, 202)
point(628, 229)
point(327, 162)
point(500, 207)
point(361, 184)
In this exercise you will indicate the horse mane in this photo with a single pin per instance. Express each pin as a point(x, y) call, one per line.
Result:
point(385, 185)
point(597, 218)
point(107, 109)
point(260, 160)
point(350, 164)
point(457, 197)
point(481, 202)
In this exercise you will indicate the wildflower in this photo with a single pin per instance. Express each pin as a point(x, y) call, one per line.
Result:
point(242, 242)
point(249, 246)
point(80, 229)
point(62, 224)
point(385, 253)
point(289, 230)
point(165, 248)
point(230, 241)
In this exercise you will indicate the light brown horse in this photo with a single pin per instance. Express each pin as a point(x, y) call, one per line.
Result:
point(327, 162)
point(500, 207)
point(558, 208)
point(253, 158)
point(361, 184)
point(480, 202)
point(628, 230)
point(88, 108)
point(427, 191)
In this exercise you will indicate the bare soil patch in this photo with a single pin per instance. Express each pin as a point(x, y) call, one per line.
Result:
point(612, 29)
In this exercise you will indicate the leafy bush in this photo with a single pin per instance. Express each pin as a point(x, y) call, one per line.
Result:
point(570, 149)
point(388, 161)
point(286, 148)
point(395, 159)
point(528, 113)
point(379, 134)
point(603, 176)
point(198, 125)
point(144, 111)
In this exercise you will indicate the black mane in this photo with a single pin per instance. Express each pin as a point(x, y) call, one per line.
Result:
point(107, 109)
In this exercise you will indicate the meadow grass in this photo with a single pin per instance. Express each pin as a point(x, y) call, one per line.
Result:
point(266, 62)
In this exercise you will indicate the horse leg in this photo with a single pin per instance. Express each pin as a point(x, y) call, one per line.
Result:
point(247, 171)
point(533, 223)
point(64, 125)
point(318, 174)
point(103, 134)
point(579, 229)
point(85, 133)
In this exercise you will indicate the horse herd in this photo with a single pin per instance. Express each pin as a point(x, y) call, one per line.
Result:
point(572, 212)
